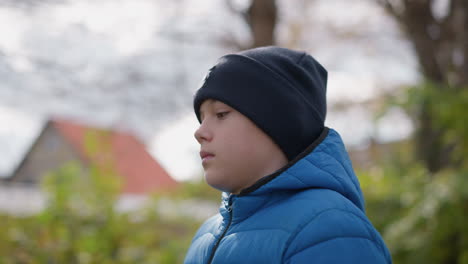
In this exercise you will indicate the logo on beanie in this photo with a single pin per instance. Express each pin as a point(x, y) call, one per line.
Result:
point(202, 83)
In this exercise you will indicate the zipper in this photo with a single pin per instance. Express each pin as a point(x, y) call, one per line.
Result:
point(229, 209)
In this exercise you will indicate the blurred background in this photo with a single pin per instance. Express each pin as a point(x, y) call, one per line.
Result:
point(98, 163)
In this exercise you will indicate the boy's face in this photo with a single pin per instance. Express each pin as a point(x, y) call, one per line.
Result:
point(235, 152)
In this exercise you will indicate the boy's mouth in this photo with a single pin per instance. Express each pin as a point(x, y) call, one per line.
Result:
point(205, 155)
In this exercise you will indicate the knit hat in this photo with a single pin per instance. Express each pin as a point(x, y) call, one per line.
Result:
point(282, 91)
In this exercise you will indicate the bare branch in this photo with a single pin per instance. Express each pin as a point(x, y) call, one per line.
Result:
point(263, 16)
point(237, 11)
point(231, 7)
point(391, 9)
point(227, 40)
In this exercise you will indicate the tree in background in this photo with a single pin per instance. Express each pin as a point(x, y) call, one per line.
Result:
point(261, 16)
point(424, 220)
point(81, 223)
point(419, 207)
point(439, 35)
point(79, 73)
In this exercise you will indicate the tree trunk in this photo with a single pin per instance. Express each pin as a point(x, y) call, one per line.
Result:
point(441, 46)
point(261, 18)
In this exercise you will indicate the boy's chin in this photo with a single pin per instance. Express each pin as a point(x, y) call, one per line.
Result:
point(218, 183)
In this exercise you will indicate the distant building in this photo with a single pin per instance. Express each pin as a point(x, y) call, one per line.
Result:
point(61, 142)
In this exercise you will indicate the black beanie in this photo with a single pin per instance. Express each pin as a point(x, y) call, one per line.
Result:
point(282, 91)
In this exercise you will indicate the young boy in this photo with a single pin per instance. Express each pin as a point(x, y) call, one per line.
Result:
point(289, 191)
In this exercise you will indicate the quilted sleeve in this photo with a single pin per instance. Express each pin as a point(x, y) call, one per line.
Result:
point(336, 236)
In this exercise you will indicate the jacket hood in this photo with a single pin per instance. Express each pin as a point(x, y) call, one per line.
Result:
point(325, 164)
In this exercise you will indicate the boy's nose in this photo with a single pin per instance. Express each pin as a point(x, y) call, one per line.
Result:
point(202, 134)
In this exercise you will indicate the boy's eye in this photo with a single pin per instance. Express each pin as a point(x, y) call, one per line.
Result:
point(221, 115)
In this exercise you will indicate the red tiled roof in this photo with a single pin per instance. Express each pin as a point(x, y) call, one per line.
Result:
point(142, 174)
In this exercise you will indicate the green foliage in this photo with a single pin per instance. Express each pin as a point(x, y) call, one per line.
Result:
point(447, 106)
point(80, 225)
point(422, 215)
point(199, 190)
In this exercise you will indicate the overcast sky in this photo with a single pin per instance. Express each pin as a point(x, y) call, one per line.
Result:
point(111, 36)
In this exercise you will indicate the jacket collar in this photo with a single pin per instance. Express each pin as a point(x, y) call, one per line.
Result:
point(324, 164)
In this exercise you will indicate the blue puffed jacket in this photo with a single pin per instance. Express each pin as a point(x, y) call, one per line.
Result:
point(310, 211)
